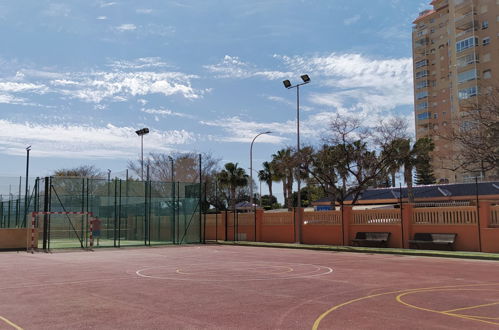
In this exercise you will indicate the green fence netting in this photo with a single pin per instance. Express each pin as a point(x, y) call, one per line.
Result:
point(129, 212)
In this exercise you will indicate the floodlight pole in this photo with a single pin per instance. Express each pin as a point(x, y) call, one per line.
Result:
point(141, 133)
point(26, 188)
point(251, 165)
point(287, 84)
point(172, 167)
point(142, 157)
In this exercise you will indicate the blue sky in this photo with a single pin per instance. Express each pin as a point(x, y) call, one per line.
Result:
point(77, 78)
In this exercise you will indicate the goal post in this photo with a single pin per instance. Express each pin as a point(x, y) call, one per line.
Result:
point(30, 240)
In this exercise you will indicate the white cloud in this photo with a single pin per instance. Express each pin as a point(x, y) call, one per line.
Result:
point(9, 99)
point(234, 67)
point(73, 141)
point(119, 85)
point(139, 63)
point(126, 27)
point(165, 112)
point(127, 79)
point(241, 130)
point(351, 20)
point(14, 87)
point(101, 17)
point(289, 103)
point(57, 9)
point(9, 89)
point(107, 4)
point(144, 11)
point(357, 83)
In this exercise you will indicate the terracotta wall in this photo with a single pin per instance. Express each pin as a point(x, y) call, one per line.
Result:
point(16, 238)
point(475, 230)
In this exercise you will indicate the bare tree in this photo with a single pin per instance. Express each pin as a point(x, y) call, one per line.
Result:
point(82, 171)
point(185, 167)
point(477, 135)
point(351, 159)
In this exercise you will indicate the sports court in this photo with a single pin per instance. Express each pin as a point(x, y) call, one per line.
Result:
point(236, 287)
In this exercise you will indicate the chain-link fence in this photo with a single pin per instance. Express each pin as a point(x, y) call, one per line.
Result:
point(128, 212)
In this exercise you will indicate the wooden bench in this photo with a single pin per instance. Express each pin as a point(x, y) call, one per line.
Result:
point(371, 239)
point(433, 240)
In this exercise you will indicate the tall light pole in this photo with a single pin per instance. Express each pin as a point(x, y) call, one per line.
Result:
point(26, 189)
point(251, 165)
point(172, 167)
point(260, 182)
point(141, 133)
point(287, 84)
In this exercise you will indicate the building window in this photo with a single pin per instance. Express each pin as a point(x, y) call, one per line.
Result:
point(486, 41)
point(422, 63)
point(485, 25)
point(486, 57)
point(466, 43)
point(422, 84)
point(467, 76)
point(423, 73)
point(422, 95)
point(467, 92)
point(435, 115)
point(487, 74)
point(422, 105)
point(422, 33)
point(467, 59)
point(424, 115)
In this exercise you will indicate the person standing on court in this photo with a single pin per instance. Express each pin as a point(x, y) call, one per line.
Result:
point(96, 227)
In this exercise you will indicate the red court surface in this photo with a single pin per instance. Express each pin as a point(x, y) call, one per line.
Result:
point(231, 287)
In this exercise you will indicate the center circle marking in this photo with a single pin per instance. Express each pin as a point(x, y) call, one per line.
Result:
point(234, 271)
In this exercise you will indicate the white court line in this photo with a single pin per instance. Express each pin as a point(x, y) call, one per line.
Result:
point(326, 270)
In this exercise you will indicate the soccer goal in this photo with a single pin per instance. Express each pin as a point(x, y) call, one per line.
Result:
point(83, 229)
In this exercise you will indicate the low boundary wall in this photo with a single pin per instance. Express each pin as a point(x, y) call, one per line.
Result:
point(16, 238)
point(477, 227)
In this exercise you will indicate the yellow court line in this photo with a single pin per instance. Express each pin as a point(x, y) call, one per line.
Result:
point(399, 299)
point(470, 307)
point(480, 317)
point(332, 309)
point(15, 326)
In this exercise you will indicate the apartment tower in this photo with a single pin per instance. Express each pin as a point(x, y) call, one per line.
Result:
point(455, 53)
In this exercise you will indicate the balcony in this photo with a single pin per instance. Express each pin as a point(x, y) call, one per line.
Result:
point(423, 42)
point(466, 22)
point(463, 7)
point(466, 32)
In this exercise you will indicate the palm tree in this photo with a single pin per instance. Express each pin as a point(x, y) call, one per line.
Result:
point(409, 157)
point(283, 162)
point(267, 175)
point(233, 177)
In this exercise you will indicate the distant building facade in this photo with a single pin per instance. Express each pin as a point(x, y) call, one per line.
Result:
point(455, 54)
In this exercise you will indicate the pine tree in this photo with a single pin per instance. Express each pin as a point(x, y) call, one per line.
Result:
point(424, 172)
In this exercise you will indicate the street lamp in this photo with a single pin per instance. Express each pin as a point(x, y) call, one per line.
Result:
point(260, 182)
point(287, 84)
point(251, 165)
point(141, 133)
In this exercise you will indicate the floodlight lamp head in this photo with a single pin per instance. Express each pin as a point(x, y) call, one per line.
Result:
point(305, 78)
point(28, 148)
point(142, 131)
point(268, 132)
point(287, 83)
